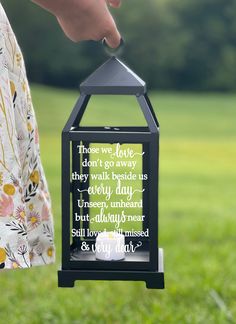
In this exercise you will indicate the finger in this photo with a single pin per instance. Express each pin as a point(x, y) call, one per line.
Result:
point(113, 37)
point(114, 3)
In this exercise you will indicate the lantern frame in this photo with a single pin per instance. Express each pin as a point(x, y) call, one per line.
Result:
point(125, 82)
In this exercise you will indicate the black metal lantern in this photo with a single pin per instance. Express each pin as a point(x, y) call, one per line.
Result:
point(110, 189)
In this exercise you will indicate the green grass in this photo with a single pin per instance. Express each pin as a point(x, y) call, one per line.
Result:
point(197, 220)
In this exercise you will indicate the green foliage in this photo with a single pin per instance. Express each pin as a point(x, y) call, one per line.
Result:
point(197, 221)
point(172, 44)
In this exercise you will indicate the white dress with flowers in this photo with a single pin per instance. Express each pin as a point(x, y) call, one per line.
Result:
point(26, 226)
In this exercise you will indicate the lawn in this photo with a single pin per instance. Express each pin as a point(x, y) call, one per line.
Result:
point(197, 219)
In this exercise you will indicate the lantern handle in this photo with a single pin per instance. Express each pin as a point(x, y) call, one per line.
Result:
point(113, 51)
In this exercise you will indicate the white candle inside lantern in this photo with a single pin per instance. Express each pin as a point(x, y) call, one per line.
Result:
point(110, 246)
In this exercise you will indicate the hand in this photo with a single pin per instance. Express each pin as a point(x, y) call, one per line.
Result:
point(85, 19)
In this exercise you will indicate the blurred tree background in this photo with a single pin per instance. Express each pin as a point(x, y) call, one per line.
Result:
point(181, 45)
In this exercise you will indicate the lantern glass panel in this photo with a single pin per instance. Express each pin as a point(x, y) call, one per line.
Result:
point(110, 183)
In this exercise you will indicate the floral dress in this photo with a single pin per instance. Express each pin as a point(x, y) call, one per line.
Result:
point(26, 225)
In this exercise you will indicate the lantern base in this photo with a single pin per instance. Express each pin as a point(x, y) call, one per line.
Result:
point(153, 279)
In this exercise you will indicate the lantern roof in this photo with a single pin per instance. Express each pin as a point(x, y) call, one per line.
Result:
point(113, 77)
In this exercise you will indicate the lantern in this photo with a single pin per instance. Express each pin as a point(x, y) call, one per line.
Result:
point(110, 189)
